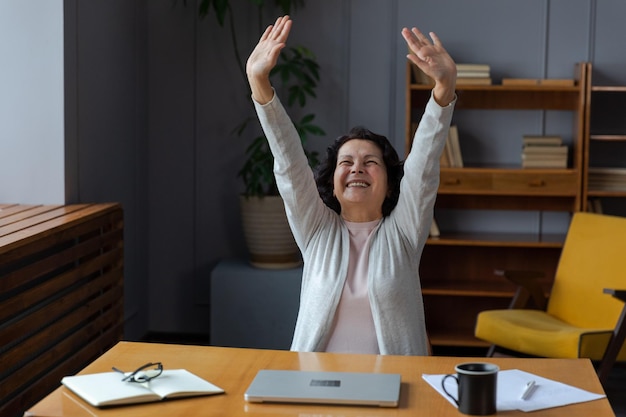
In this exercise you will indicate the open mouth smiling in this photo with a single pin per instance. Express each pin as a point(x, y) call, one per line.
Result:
point(360, 184)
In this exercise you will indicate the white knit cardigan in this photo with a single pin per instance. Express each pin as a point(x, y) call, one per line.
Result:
point(396, 245)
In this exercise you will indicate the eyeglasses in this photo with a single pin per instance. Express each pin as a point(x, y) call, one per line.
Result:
point(144, 373)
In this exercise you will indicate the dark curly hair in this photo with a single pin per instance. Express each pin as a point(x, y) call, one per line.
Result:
point(326, 170)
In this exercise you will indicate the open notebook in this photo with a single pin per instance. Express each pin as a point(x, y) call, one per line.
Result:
point(107, 389)
point(325, 387)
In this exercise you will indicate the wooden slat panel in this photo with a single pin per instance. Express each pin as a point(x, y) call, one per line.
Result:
point(39, 342)
point(53, 310)
point(24, 214)
point(61, 295)
point(37, 224)
point(17, 212)
point(49, 224)
point(35, 270)
point(54, 350)
point(42, 387)
point(32, 242)
point(15, 305)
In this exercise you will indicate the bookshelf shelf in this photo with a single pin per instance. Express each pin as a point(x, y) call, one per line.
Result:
point(609, 88)
point(457, 269)
point(605, 145)
point(606, 193)
point(610, 138)
point(461, 288)
point(508, 97)
point(444, 339)
point(499, 240)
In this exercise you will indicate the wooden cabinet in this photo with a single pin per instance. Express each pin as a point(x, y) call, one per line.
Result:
point(458, 268)
point(604, 184)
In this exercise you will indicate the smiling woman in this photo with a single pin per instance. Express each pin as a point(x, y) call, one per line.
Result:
point(360, 181)
point(362, 233)
point(382, 155)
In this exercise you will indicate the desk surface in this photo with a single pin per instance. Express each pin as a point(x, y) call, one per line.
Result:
point(233, 369)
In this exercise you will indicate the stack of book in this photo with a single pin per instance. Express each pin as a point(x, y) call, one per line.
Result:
point(451, 156)
point(543, 152)
point(479, 74)
point(607, 179)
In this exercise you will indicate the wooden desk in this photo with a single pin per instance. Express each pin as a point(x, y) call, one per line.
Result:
point(233, 369)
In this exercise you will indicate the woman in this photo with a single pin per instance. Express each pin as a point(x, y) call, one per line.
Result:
point(362, 240)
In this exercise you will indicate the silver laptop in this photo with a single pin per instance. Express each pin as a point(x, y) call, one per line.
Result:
point(353, 388)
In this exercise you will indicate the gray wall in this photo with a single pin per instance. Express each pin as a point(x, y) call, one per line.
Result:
point(153, 94)
point(31, 97)
point(106, 140)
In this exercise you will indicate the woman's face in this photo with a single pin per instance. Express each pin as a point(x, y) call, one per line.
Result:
point(360, 180)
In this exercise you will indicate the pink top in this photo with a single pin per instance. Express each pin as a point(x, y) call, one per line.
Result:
point(353, 328)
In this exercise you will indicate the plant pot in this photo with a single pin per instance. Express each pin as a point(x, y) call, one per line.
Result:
point(267, 233)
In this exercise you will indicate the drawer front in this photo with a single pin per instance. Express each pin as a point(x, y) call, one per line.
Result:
point(558, 184)
point(460, 182)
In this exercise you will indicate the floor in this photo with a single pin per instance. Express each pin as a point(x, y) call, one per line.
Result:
point(615, 386)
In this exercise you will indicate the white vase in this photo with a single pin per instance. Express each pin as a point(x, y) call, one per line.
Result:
point(267, 233)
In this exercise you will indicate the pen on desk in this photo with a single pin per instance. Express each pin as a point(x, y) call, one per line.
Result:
point(528, 390)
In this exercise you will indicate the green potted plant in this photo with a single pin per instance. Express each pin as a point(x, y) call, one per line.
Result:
point(295, 76)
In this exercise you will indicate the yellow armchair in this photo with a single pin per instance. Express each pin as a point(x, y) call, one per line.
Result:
point(580, 320)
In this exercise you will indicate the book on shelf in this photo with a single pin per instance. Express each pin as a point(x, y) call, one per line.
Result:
point(467, 74)
point(452, 149)
point(546, 149)
point(470, 74)
point(473, 74)
point(473, 68)
point(434, 229)
point(108, 389)
point(607, 179)
point(608, 172)
point(544, 163)
point(474, 81)
point(542, 140)
point(540, 151)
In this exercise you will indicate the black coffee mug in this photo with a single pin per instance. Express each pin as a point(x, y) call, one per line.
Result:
point(477, 382)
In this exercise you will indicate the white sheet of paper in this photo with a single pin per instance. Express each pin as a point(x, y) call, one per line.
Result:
point(511, 384)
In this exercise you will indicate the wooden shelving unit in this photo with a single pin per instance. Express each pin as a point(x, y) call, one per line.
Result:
point(457, 269)
point(605, 141)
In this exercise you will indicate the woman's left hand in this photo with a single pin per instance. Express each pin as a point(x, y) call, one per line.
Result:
point(433, 59)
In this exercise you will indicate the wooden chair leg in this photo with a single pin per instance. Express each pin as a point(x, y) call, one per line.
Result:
point(615, 345)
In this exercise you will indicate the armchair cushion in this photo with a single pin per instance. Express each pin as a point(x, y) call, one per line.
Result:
point(537, 333)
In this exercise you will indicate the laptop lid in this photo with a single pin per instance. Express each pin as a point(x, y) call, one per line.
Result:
point(354, 388)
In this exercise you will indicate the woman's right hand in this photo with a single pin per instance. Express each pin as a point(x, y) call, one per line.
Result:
point(264, 57)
